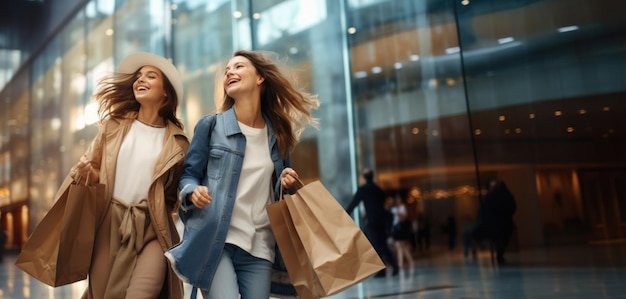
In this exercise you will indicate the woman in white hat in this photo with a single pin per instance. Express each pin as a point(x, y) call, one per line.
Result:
point(138, 154)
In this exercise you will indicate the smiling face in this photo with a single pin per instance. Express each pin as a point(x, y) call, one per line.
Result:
point(149, 87)
point(240, 77)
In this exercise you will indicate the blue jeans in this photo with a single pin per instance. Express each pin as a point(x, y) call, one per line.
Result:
point(237, 273)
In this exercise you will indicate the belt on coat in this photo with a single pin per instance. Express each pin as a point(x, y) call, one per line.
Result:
point(128, 227)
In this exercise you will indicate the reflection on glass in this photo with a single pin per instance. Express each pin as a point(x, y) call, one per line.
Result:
point(9, 63)
point(273, 25)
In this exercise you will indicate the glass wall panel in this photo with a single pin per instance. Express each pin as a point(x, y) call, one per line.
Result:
point(98, 62)
point(546, 81)
point(14, 157)
point(205, 33)
point(140, 25)
point(10, 61)
point(74, 58)
point(45, 129)
point(409, 100)
point(310, 43)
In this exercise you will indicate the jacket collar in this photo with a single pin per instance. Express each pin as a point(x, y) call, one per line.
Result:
point(174, 148)
point(129, 118)
point(232, 127)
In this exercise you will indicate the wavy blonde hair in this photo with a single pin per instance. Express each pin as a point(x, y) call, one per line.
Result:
point(287, 107)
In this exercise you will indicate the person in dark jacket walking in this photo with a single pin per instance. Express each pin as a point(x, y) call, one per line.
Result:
point(495, 218)
point(373, 197)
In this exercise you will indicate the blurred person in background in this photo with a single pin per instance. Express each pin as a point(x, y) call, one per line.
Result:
point(495, 218)
point(377, 216)
point(401, 233)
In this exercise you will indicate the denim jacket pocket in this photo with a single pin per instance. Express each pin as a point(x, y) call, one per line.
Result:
point(215, 165)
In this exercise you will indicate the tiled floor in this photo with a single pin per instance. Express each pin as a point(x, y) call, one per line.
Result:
point(582, 271)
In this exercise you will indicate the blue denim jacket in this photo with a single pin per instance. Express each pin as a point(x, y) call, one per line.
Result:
point(214, 159)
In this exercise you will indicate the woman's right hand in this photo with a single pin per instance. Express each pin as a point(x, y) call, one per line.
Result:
point(200, 197)
point(84, 169)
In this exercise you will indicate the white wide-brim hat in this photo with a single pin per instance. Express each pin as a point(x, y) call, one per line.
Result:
point(134, 61)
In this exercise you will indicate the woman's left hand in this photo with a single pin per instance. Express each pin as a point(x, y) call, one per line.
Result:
point(289, 178)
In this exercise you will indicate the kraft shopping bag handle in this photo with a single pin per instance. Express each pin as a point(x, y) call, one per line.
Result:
point(299, 185)
point(80, 178)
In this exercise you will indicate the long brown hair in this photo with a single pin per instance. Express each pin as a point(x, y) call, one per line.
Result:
point(288, 108)
point(115, 97)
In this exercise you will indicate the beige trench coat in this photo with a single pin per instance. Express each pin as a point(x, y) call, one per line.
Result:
point(162, 196)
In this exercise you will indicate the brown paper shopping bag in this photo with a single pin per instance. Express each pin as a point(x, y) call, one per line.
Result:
point(59, 251)
point(331, 251)
point(299, 267)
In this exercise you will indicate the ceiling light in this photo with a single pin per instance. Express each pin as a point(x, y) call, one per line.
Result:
point(361, 74)
point(505, 40)
point(567, 29)
point(453, 50)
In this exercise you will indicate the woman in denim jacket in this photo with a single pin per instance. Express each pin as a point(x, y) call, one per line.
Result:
point(230, 175)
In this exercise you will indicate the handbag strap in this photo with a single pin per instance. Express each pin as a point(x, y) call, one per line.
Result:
point(212, 119)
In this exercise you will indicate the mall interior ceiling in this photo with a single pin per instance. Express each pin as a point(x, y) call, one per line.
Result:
point(19, 20)
point(22, 22)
